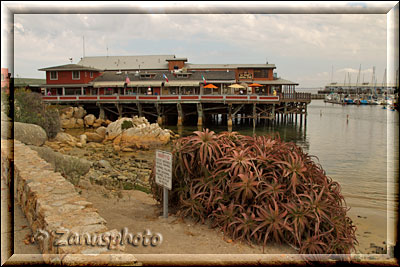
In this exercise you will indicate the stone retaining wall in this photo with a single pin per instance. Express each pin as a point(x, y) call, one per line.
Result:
point(50, 203)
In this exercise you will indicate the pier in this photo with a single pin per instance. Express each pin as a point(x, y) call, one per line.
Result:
point(181, 109)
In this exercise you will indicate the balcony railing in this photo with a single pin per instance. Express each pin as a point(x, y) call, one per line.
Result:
point(296, 96)
point(162, 98)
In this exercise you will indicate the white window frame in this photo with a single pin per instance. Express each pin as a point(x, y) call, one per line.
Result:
point(91, 74)
point(56, 72)
point(79, 75)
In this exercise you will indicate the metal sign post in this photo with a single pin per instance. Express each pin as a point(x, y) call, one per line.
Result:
point(165, 202)
point(164, 176)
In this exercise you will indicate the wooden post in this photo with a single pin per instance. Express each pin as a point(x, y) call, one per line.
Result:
point(180, 114)
point(229, 115)
point(273, 112)
point(159, 114)
point(254, 115)
point(199, 114)
point(82, 93)
point(101, 113)
point(285, 114)
point(119, 108)
point(305, 115)
point(140, 111)
point(63, 91)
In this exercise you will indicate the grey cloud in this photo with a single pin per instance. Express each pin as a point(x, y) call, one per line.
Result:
point(291, 41)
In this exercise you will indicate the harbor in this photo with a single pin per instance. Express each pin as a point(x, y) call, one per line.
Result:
point(153, 135)
point(389, 101)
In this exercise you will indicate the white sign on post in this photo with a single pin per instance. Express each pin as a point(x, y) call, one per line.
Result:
point(164, 169)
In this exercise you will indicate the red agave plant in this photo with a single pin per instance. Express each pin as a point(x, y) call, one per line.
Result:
point(259, 189)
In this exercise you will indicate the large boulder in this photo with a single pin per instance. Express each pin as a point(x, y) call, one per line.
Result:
point(79, 112)
point(67, 113)
point(94, 137)
point(114, 129)
point(89, 119)
point(101, 131)
point(80, 123)
point(140, 121)
point(83, 139)
point(143, 136)
point(29, 134)
point(68, 123)
point(64, 138)
point(63, 163)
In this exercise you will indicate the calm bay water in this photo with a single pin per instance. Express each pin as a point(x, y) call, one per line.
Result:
point(354, 152)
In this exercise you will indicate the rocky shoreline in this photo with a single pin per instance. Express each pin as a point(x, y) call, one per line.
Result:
point(117, 155)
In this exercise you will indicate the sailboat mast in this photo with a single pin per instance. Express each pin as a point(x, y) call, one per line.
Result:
point(373, 79)
point(384, 81)
point(358, 78)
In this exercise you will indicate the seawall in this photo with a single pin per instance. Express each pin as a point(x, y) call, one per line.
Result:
point(51, 204)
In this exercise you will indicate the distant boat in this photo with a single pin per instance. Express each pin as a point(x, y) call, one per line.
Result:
point(373, 101)
point(348, 101)
point(381, 101)
point(364, 102)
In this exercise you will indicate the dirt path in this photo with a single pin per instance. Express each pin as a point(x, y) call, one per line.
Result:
point(137, 211)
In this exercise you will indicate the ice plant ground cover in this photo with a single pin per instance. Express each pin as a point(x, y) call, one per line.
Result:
point(259, 189)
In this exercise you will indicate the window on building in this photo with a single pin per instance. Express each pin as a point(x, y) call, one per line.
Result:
point(176, 67)
point(76, 75)
point(261, 73)
point(53, 75)
point(91, 74)
point(147, 75)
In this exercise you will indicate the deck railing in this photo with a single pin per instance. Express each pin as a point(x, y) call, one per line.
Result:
point(296, 96)
point(163, 98)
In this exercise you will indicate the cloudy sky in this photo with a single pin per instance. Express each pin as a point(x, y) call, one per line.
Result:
point(304, 47)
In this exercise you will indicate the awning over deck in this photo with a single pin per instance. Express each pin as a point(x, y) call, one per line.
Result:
point(221, 81)
point(181, 83)
point(108, 84)
point(277, 82)
point(65, 85)
point(144, 84)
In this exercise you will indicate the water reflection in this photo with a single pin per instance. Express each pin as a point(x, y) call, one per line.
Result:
point(288, 132)
point(349, 141)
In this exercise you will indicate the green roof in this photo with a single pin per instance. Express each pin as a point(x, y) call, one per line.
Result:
point(28, 81)
point(69, 67)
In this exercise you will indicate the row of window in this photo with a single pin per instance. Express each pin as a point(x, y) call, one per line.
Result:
point(76, 75)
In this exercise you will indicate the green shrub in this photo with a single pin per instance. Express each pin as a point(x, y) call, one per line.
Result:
point(5, 103)
point(259, 189)
point(126, 125)
point(29, 108)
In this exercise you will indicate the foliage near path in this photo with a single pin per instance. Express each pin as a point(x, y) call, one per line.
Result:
point(259, 189)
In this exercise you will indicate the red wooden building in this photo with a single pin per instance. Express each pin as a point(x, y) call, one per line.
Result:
point(157, 81)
